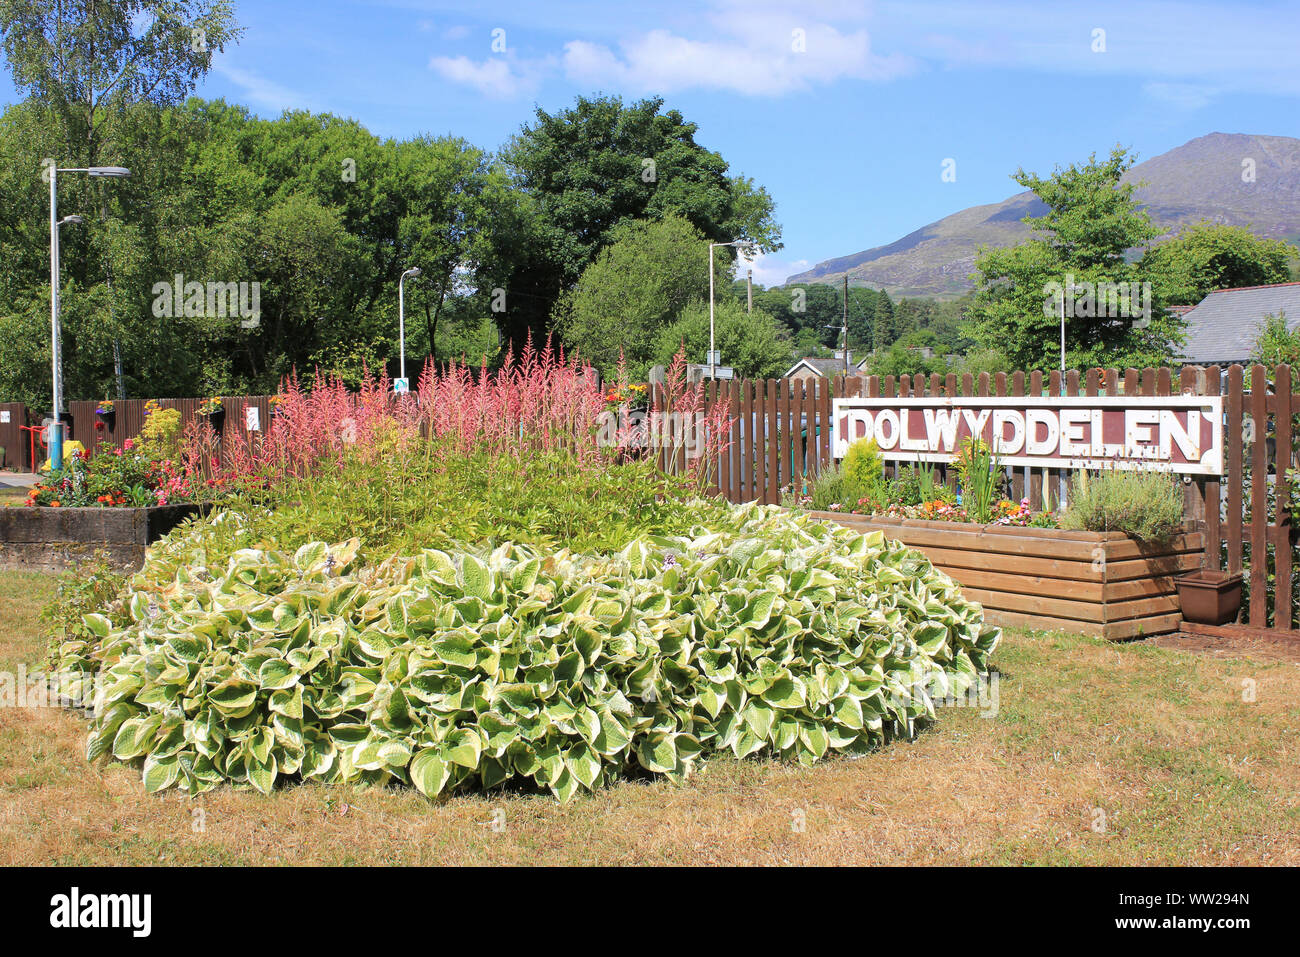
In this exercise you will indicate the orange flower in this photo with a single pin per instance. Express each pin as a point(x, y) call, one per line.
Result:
point(54, 504)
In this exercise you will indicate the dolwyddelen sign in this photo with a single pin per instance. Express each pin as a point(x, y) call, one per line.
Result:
point(1177, 433)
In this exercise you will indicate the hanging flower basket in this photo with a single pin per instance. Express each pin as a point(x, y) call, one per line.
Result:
point(215, 413)
point(106, 416)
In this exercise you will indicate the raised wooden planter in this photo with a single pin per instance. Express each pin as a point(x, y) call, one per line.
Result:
point(1095, 583)
point(54, 539)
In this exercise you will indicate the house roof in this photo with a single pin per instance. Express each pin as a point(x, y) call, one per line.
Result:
point(828, 366)
point(1224, 326)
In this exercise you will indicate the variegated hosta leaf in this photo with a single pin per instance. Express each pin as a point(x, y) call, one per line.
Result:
point(772, 634)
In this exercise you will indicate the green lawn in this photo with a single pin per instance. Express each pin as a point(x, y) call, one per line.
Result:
point(1099, 754)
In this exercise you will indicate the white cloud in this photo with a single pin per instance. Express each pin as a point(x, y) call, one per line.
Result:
point(769, 271)
point(1181, 96)
point(752, 48)
point(261, 91)
point(496, 77)
point(764, 56)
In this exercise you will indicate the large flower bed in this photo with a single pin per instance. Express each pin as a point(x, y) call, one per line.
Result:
point(769, 633)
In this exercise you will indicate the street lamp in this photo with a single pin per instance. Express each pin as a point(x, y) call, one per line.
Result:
point(55, 439)
point(401, 313)
point(713, 365)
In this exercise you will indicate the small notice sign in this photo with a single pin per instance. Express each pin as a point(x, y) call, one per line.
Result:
point(401, 385)
point(4, 416)
point(253, 418)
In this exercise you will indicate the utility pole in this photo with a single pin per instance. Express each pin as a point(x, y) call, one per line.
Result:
point(846, 324)
point(749, 290)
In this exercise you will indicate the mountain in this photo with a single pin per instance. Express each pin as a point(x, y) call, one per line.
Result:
point(1202, 179)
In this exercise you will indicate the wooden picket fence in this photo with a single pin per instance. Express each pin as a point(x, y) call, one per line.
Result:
point(780, 439)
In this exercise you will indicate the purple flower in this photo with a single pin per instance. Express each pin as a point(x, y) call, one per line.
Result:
point(670, 561)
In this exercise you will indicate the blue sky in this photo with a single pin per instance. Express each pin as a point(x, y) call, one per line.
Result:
point(845, 112)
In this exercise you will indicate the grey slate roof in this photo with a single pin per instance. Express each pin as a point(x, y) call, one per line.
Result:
point(825, 366)
point(1224, 326)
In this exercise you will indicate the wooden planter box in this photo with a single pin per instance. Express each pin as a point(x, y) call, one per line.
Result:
point(1095, 583)
point(54, 539)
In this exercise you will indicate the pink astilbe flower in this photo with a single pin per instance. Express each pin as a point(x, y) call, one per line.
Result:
point(541, 401)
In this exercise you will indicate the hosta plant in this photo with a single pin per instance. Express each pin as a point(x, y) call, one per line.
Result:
point(770, 633)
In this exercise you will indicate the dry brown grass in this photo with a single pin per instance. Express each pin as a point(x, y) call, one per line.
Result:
point(1158, 741)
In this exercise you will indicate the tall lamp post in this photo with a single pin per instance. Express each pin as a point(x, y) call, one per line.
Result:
point(1062, 304)
point(55, 438)
point(1062, 484)
point(713, 365)
point(401, 315)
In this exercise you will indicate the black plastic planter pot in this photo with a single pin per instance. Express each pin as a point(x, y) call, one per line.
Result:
point(217, 420)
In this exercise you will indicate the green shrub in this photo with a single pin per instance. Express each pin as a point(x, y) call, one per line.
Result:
point(770, 633)
point(864, 470)
point(1144, 505)
point(160, 438)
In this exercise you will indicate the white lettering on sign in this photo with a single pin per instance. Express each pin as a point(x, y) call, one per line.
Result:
point(1179, 433)
point(1002, 444)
